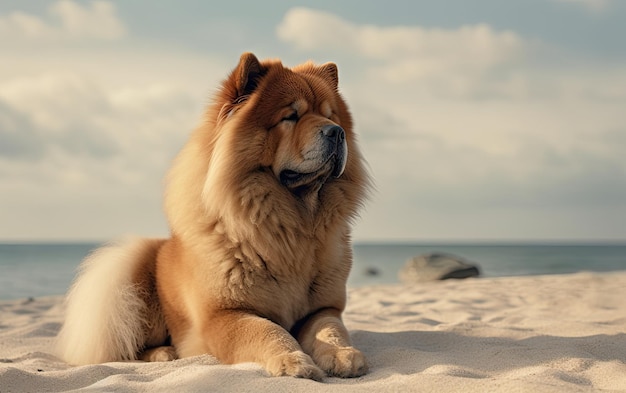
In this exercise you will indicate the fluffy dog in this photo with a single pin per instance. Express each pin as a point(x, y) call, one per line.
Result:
point(260, 203)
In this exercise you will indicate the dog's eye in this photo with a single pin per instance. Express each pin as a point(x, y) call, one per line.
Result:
point(292, 117)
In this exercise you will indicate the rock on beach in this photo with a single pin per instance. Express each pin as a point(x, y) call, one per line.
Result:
point(436, 266)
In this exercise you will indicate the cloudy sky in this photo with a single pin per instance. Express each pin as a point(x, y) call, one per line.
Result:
point(482, 120)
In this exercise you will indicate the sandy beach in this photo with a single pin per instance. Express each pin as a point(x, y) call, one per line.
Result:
point(562, 333)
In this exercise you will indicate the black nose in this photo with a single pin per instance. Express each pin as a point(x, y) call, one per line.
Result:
point(334, 133)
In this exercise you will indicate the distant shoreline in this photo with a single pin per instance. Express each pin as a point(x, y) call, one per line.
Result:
point(37, 269)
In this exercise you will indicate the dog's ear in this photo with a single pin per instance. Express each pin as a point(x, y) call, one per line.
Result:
point(329, 72)
point(247, 74)
point(241, 82)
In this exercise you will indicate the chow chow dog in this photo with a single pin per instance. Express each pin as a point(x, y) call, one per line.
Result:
point(260, 203)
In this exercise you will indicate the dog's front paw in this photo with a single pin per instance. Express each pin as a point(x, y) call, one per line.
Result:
point(295, 364)
point(344, 362)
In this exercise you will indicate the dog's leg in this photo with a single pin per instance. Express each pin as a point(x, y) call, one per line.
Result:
point(326, 339)
point(237, 337)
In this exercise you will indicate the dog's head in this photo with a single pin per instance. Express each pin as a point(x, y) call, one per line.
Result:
point(276, 140)
point(297, 125)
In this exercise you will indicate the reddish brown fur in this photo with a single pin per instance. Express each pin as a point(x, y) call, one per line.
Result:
point(243, 244)
point(256, 267)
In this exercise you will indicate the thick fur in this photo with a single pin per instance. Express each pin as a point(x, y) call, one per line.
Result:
point(112, 309)
point(260, 203)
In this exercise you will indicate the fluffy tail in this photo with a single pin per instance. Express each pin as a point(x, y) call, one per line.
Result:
point(112, 310)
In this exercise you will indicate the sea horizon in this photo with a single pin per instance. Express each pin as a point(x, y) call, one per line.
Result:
point(40, 268)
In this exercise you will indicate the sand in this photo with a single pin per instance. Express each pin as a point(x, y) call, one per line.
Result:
point(519, 334)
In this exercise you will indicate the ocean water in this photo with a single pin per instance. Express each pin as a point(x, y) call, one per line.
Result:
point(31, 270)
point(493, 260)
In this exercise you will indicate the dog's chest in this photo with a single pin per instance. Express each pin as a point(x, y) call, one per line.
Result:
point(316, 283)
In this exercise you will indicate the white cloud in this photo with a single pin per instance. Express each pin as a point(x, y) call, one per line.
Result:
point(446, 61)
point(89, 130)
point(313, 30)
point(65, 19)
point(67, 117)
point(74, 148)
